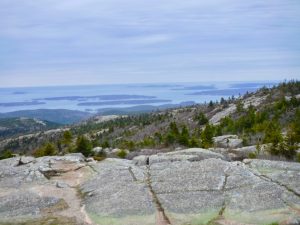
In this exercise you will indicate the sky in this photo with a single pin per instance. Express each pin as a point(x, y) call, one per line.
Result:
point(71, 42)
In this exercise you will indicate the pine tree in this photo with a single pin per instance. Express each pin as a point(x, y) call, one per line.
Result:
point(83, 145)
point(207, 136)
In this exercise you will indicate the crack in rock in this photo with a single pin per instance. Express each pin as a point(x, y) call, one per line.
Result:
point(223, 190)
point(280, 184)
point(223, 208)
point(291, 206)
point(52, 172)
point(269, 179)
point(161, 217)
point(21, 163)
point(92, 168)
point(132, 174)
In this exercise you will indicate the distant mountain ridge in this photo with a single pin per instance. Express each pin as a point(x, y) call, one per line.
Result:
point(12, 127)
point(68, 117)
point(60, 116)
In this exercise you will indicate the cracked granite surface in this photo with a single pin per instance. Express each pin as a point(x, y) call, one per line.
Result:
point(173, 189)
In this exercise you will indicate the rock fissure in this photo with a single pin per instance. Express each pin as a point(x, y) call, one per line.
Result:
point(223, 190)
point(203, 190)
point(92, 168)
point(291, 206)
point(269, 179)
point(281, 184)
point(161, 217)
point(132, 174)
point(21, 163)
point(50, 173)
point(225, 182)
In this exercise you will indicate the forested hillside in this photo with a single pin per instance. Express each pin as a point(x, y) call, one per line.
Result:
point(269, 116)
point(12, 127)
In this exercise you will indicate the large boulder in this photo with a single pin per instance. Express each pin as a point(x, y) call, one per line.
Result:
point(228, 141)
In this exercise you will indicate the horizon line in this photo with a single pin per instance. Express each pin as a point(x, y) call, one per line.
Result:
point(153, 83)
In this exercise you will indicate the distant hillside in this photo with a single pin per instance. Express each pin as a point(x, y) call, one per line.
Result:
point(270, 116)
point(141, 109)
point(10, 127)
point(61, 116)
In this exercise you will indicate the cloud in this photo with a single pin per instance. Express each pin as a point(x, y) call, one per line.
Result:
point(108, 40)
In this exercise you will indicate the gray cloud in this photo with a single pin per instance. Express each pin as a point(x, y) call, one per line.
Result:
point(68, 41)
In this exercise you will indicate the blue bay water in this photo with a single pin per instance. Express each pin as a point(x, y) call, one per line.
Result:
point(14, 99)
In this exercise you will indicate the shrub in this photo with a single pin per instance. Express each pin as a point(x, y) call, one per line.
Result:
point(193, 142)
point(283, 149)
point(298, 157)
point(98, 158)
point(170, 139)
point(122, 154)
point(48, 149)
point(105, 144)
point(6, 154)
point(252, 155)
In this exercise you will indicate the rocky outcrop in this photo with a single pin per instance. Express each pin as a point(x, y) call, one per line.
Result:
point(192, 154)
point(193, 186)
point(215, 119)
point(228, 141)
point(42, 190)
point(238, 154)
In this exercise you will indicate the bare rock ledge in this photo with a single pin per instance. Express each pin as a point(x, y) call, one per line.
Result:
point(187, 187)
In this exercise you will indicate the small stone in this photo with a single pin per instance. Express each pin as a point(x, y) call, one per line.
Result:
point(61, 185)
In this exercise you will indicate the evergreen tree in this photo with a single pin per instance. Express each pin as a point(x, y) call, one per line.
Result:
point(67, 137)
point(174, 129)
point(83, 145)
point(184, 136)
point(207, 136)
point(239, 106)
point(201, 118)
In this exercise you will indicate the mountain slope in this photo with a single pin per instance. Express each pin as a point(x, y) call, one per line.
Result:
point(268, 116)
point(11, 127)
point(61, 116)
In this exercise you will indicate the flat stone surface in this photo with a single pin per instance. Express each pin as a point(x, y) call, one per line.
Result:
point(192, 186)
point(284, 173)
point(24, 203)
point(118, 194)
point(31, 192)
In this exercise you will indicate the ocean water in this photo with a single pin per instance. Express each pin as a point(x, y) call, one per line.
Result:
point(94, 97)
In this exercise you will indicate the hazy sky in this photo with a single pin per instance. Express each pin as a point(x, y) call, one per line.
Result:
point(49, 42)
